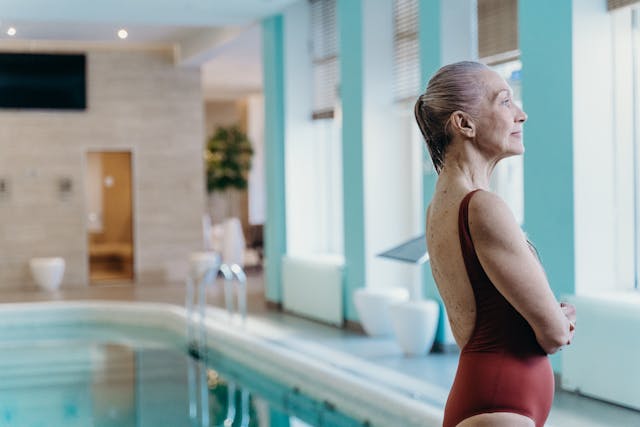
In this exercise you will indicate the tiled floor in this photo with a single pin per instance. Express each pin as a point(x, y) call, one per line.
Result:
point(427, 378)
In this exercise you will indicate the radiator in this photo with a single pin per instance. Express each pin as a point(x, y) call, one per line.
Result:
point(312, 286)
point(603, 360)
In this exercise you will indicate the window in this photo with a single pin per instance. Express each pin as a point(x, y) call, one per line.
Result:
point(324, 49)
point(498, 48)
point(322, 175)
point(615, 4)
point(626, 86)
point(508, 176)
point(406, 89)
point(498, 31)
point(406, 53)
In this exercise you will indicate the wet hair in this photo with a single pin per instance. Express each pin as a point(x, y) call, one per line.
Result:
point(454, 87)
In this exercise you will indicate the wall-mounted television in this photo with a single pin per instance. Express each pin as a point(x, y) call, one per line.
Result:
point(43, 81)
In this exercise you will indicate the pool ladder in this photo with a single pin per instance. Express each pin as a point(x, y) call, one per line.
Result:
point(202, 276)
point(199, 398)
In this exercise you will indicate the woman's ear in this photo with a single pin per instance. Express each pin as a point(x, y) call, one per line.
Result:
point(463, 124)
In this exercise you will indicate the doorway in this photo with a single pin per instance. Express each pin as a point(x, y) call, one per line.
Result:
point(109, 216)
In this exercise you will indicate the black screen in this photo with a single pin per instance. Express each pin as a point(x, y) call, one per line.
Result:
point(43, 81)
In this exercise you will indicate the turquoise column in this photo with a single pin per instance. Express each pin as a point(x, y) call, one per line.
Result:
point(430, 42)
point(546, 52)
point(275, 227)
point(351, 94)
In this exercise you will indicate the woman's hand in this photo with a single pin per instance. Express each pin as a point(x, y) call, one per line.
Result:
point(569, 310)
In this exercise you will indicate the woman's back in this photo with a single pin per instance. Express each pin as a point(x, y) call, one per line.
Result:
point(447, 262)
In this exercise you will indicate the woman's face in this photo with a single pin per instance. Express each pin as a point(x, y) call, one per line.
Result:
point(500, 120)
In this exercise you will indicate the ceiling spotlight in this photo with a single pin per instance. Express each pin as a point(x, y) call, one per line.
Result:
point(11, 31)
point(123, 34)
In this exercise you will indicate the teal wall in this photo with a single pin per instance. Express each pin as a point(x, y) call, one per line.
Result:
point(430, 42)
point(546, 46)
point(275, 224)
point(351, 94)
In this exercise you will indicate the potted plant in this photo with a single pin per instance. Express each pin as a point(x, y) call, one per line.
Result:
point(228, 156)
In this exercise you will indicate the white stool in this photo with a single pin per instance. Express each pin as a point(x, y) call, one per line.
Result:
point(47, 272)
point(415, 324)
point(233, 243)
point(373, 308)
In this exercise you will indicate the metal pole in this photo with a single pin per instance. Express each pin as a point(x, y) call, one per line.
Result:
point(231, 404)
point(228, 288)
point(242, 290)
point(193, 390)
point(204, 394)
point(244, 421)
point(189, 308)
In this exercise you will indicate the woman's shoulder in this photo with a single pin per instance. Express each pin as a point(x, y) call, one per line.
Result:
point(491, 218)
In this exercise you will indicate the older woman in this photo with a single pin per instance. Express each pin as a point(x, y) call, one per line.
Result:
point(502, 311)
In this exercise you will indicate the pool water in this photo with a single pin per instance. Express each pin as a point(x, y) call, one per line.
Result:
point(76, 381)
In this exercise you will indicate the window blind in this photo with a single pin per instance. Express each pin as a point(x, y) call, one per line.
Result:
point(497, 31)
point(406, 53)
point(616, 4)
point(324, 47)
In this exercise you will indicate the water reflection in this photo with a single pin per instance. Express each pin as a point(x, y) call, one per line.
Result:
point(80, 384)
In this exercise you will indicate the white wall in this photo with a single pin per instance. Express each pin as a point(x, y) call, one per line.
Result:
point(624, 153)
point(594, 174)
point(257, 184)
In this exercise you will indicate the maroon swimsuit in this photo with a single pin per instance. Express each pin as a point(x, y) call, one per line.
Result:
point(502, 368)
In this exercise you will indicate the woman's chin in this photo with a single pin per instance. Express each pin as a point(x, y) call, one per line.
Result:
point(516, 149)
point(513, 152)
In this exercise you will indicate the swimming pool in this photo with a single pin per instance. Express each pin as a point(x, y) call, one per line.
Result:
point(126, 364)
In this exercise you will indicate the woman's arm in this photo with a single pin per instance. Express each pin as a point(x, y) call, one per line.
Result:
point(515, 271)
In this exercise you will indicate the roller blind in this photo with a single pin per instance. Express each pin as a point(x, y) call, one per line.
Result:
point(324, 47)
point(406, 66)
point(616, 4)
point(497, 31)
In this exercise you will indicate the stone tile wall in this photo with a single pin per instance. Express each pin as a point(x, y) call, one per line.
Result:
point(137, 101)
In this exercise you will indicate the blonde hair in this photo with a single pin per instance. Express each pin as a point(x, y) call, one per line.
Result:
point(454, 87)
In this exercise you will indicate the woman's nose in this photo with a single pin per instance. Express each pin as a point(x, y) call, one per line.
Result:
point(521, 116)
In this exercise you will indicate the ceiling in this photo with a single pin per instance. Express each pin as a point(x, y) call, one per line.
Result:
point(204, 13)
point(222, 37)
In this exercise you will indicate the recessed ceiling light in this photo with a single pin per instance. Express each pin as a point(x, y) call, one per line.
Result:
point(123, 34)
point(11, 31)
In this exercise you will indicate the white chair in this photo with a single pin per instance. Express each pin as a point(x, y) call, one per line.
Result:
point(206, 232)
point(233, 243)
point(373, 308)
point(215, 238)
point(233, 252)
